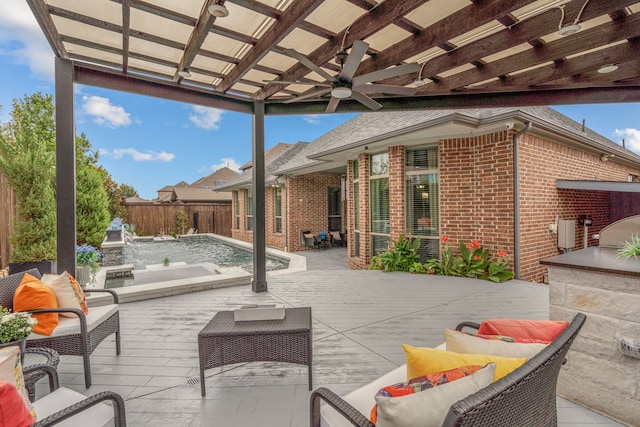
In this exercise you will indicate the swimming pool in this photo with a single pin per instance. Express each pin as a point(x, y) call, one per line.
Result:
point(196, 250)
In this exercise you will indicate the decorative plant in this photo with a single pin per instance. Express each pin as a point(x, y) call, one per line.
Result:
point(400, 257)
point(87, 255)
point(15, 326)
point(166, 262)
point(473, 261)
point(631, 248)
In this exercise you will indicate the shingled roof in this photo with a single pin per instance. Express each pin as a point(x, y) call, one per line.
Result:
point(272, 164)
point(368, 128)
point(218, 178)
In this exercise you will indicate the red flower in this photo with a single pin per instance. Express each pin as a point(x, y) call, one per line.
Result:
point(445, 239)
point(475, 244)
point(502, 253)
point(477, 258)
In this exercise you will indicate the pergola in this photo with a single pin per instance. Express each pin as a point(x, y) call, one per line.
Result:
point(469, 53)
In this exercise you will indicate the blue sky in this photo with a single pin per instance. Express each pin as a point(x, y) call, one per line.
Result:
point(149, 142)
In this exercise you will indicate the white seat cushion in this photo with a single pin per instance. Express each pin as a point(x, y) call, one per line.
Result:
point(71, 325)
point(100, 415)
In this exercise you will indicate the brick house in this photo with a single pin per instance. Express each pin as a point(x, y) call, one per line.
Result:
point(434, 173)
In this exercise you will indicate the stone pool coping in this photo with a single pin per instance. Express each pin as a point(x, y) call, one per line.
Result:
point(224, 277)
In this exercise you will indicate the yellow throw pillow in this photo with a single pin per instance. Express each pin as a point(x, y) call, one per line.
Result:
point(32, 294)
point(68, 291)
point(424, 361)
point(11, 372)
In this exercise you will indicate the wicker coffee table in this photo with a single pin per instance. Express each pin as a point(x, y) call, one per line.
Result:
point(224, 341)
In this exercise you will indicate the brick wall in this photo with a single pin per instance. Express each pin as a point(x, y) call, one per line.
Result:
point(305, 206)
point(308, 205)
point(541, 163)
point(476, 191)
point(397, 191)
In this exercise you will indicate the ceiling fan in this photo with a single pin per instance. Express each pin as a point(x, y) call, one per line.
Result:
point(345, 85)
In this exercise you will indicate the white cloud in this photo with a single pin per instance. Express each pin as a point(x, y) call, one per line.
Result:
point(138, 156)
point(313, 119)
point(205, 117)
point(22, 40)
point(103, 112)
point(224, 162)
point(631, 138)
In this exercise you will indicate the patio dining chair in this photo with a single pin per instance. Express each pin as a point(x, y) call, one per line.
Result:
point(78, 335)
point(336, 238)
point(308, 240)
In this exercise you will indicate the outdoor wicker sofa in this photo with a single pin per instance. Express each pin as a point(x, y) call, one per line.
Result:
point(73, 336)
point(525, 397)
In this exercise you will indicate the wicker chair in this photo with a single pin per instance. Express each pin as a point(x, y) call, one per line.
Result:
point(525, 397)
point(76, 409)
point(82, 340)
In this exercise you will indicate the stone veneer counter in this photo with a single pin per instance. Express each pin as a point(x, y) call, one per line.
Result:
point(606, 289)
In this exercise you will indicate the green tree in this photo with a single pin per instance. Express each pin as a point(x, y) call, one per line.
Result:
point(27, 159)
point(92, 202)
point(114, 195)
point(128, 190)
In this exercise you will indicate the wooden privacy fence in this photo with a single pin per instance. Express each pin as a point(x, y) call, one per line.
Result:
point(161, 219)
point(7, 218)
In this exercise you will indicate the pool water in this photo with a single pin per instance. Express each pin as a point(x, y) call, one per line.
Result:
point(195, 250)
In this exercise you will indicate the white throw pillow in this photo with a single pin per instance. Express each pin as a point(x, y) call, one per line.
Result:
point(463, 343)
point(11, 372)
point(68, 291)
point(429, 407)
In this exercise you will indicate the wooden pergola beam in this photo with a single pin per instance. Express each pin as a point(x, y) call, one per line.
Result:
point(296, 14)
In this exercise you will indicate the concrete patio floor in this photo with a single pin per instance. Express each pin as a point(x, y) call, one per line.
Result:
point(360, 321)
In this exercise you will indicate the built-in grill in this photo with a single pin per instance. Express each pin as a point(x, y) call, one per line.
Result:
point(617, 233)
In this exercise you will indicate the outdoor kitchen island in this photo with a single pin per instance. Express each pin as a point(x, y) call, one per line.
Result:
point(603, 370)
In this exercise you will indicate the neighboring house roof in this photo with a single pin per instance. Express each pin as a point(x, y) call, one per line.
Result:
point(166, 188)
point(136, 200)
point(367, 129)
point(274, 151)
point(188, 194)
point(272, 164)
point(216, 179)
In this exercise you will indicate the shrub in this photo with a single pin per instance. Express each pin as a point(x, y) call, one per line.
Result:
point(400, 257)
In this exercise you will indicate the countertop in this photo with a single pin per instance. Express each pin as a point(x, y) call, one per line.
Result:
point(596, 258)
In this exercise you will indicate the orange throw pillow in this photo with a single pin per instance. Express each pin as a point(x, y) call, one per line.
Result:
point(545, 330)
point(32, 294)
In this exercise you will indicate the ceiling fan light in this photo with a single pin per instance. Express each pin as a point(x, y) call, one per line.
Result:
point(418, 83)
point(567, 30)
point(341, 92)
point(218, 10)
point(607, 69)
point(184, 73)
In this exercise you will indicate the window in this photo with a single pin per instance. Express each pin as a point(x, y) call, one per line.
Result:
point(335, 208)
point(634, 178)
point(278, 209)
point(379, 198)
point(249, 210)
point(422, 196)
point(236, 203)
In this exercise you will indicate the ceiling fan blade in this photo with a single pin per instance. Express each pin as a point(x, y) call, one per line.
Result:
point(352, 63)
point(314, 94)
point(390, 89)
point(333, 104)
point(366, 101)
point(310, 65)
point(287, 82)
point(386, 73)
